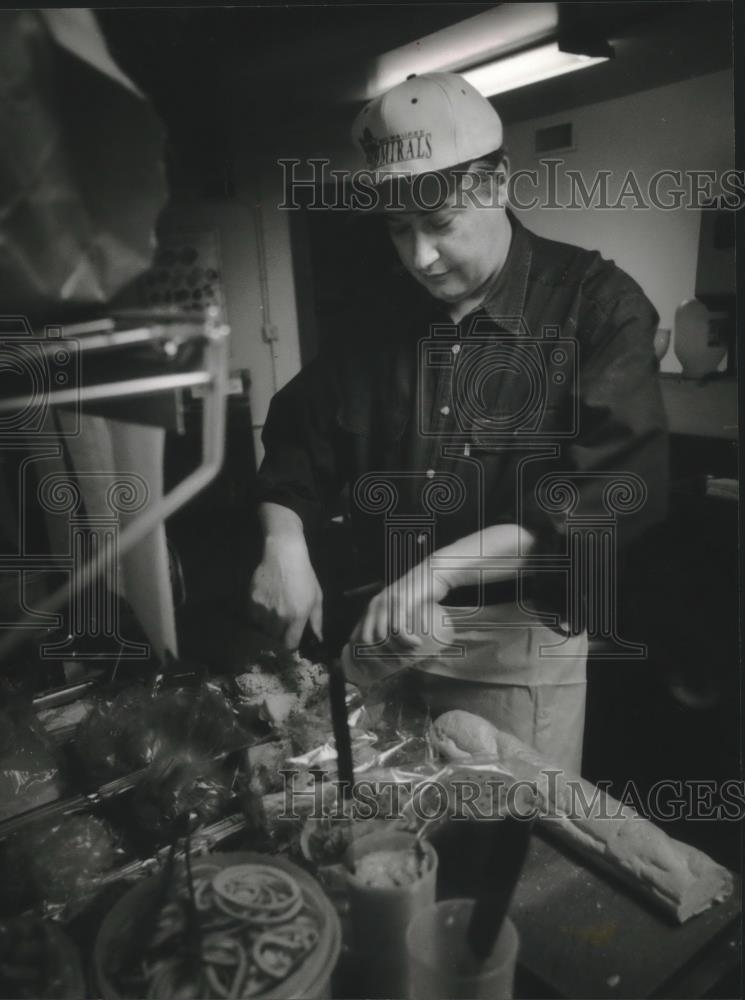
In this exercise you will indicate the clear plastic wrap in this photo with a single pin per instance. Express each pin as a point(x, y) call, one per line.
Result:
point(30, 772)
point(418, 796)
point(134, 728)
point(171, 789)
point(117, 737)
point(180, 736)
point(58, 865)
point(76, 229)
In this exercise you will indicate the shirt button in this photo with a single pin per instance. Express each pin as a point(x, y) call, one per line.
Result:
point(430, 473)
point(455, 348)
point(444, 410)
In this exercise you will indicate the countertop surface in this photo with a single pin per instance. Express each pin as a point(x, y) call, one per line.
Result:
point(585, 935)
point(702, 408)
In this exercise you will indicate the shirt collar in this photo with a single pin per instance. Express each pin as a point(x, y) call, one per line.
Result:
point(507, 291)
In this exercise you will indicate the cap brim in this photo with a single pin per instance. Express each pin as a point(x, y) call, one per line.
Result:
point(404, 192)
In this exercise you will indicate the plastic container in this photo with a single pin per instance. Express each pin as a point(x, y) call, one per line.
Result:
point(380, 915)
point(441, 964)
point(325, 841)
point(312, 981)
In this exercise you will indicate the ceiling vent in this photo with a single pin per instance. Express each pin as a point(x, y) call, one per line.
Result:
point(555, 138)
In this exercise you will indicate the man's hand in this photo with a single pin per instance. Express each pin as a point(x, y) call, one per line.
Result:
point(400, 613)
point(284, 594)
point(396, 616)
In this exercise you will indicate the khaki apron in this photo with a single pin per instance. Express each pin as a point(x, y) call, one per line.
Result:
point(521, 676)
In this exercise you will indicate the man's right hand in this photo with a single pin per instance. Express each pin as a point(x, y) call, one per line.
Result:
point(284, 594)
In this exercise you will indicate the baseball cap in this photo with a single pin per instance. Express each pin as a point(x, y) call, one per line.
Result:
point(428, 124)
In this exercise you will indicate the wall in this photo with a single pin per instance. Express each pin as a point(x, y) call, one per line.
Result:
point(267, 276)
point(682, 126)
point(253, 238)
point(686, 125)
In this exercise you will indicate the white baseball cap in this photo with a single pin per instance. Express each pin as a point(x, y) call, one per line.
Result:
point(429, 123)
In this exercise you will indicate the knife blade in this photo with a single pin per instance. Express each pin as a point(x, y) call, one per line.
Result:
point(504, 864)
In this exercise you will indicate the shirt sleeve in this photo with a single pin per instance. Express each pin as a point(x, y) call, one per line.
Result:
point(301, 468)
point(614, 470)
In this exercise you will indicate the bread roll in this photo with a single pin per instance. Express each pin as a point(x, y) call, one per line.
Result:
point(458, 735)
point(678, 878)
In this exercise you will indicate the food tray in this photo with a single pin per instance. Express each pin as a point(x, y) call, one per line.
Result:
point(312, 979)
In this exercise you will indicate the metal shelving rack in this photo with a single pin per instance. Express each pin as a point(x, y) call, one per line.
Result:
point(136, 365)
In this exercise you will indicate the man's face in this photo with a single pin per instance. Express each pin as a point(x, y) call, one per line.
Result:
point(454, 249)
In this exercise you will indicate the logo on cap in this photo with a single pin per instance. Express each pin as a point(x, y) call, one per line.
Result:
point(379, 153)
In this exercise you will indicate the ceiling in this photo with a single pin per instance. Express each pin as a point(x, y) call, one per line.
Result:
point(655, 44)
point(279, 70)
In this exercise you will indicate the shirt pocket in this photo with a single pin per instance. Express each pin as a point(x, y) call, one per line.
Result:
point(547, 420)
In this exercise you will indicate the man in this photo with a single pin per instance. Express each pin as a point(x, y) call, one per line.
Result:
point(482, 416)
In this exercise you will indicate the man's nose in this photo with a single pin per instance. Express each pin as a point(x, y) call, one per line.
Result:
point(424, 253)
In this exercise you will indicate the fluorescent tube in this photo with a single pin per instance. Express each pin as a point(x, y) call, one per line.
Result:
point(527, 67)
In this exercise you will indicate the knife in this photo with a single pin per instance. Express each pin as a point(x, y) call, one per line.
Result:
point(339, 723)
point(315, 649)
point(504, 864)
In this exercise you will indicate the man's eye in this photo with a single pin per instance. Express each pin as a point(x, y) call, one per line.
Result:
point(440, 224)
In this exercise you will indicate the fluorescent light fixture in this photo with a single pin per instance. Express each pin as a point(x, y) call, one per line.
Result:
point(503, 29)
point(527, 67)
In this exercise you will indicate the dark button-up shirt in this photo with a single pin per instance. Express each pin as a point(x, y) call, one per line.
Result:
point(541, 408)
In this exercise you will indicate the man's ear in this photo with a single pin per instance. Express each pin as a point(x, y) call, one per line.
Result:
point(502, 175)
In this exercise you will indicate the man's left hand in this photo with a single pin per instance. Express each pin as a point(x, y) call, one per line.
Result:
point(402, 612)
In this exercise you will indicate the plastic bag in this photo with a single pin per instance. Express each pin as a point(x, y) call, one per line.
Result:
point(60, 864)
point(197, 789)
point(134, 728)
point(81, 173)
point(29, 769)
